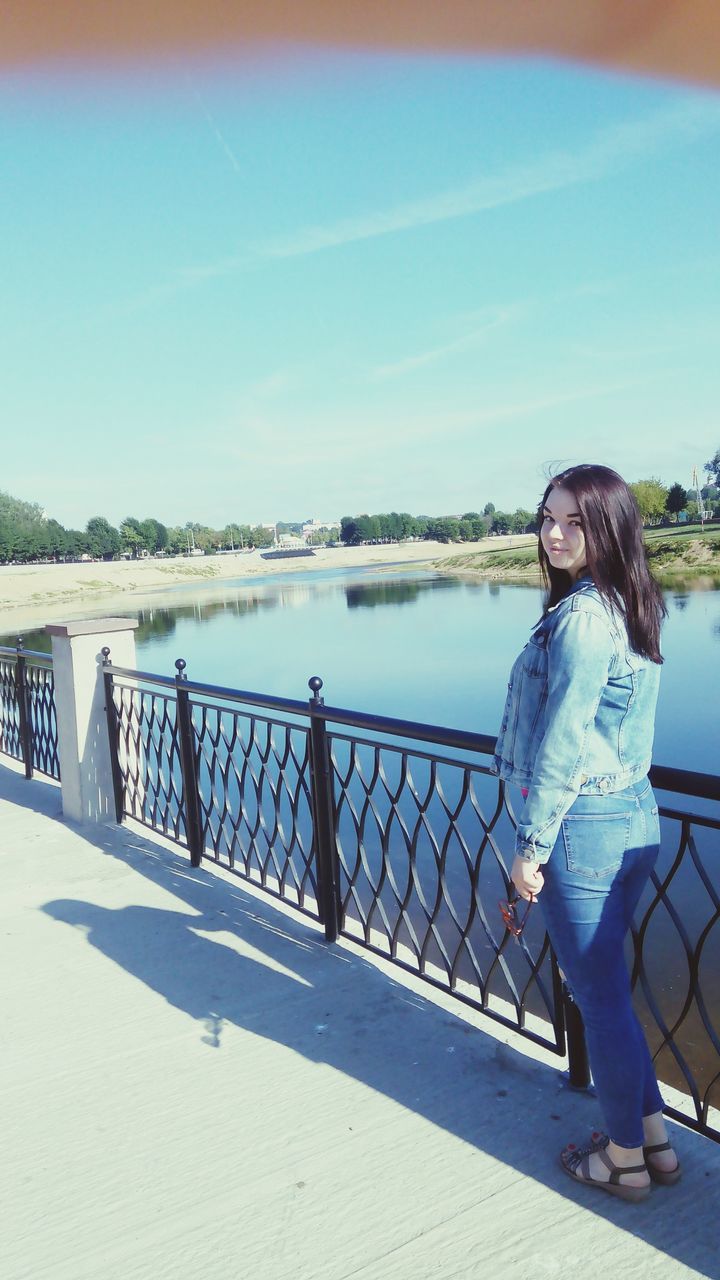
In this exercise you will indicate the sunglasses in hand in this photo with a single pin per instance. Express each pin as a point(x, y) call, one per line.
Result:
point(514, 919)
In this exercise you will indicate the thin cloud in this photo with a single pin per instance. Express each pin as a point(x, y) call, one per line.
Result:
point(221, 139)
point(258, 441)
point(526, 408)
point(277, 383)
point(466, 342)
point(611, 151)
point(646, 351)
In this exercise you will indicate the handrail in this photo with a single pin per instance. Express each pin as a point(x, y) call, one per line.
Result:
point(217, 691)
point(705, 786)
point(147, 677)
point(8, 651)
point(460, 738)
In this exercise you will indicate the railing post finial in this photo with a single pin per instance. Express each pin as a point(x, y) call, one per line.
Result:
point(316, 684)
point(20, 644)
point(105, 651)
point(180, 665)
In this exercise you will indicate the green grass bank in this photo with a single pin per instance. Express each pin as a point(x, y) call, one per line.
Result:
point(677, 556)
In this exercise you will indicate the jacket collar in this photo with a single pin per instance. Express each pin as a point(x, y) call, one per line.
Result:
point(585, 580)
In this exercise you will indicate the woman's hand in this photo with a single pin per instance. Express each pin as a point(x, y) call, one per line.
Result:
point(527, 877)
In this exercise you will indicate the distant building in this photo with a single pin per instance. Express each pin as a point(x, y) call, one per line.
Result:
point(312, 527)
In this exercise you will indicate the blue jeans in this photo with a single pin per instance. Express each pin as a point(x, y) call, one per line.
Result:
point(601, 861)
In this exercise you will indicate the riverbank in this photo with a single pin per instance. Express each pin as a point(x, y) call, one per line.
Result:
point(33, 594)
point(678, 558)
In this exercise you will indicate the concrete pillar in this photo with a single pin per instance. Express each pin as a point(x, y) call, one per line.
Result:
point(86, 777)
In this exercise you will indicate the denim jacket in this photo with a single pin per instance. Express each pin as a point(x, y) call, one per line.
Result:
point(579, 715)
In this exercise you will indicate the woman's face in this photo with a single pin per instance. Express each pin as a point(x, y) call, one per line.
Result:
point(562, 534)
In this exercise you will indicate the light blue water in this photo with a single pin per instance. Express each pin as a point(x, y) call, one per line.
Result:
point(413, 644)
point(420, 646)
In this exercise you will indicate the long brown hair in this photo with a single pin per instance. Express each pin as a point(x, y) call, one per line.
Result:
point(615, 553)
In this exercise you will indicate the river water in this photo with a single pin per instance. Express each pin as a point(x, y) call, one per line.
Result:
point(410, 643)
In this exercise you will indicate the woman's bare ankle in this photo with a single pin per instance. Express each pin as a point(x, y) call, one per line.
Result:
point(624, 1155)
point(654, 1129)
point(655, 1135)
point(630, 1158)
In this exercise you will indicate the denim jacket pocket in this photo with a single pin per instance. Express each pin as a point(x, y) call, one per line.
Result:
point(595, 844)
point(534, 658)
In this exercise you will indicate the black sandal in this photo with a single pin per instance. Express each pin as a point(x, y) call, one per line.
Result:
point(576, 1162)
point(664, 1176)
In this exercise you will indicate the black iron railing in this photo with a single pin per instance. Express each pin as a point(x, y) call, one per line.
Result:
point(391, 833)
point(28, 722)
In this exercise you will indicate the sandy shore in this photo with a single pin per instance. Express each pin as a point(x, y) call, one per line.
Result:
point(31, 595)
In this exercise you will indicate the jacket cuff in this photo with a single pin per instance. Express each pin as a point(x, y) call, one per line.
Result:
point(530, 852)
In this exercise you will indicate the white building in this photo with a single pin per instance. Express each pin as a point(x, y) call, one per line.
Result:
point(319, 526)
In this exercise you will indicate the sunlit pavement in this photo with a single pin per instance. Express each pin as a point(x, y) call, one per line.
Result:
point(195, 1085)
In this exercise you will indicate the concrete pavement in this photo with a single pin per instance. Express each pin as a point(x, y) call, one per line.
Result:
point(195, 1085)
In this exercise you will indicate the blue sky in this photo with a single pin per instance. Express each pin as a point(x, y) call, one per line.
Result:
point(303, 283)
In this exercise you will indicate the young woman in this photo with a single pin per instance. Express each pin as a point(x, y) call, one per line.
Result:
point(576, 736)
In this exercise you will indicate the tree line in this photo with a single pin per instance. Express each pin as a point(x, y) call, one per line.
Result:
point(397, 526)
point(656, 502)
point(28, 534)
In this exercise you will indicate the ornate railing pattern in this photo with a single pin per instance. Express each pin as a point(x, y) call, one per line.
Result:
point(676, 959)
point(10, 743)
point(148, 760)
point(28, 722)
point(226, 783)
point(390, 833)
point(419, 840)
point(255, 802)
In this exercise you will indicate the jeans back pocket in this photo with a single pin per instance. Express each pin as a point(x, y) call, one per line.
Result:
point(596, 844)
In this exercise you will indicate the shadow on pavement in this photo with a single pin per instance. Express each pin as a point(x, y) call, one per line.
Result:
point(334, 1007)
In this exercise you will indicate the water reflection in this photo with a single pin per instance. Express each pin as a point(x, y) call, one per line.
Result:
point(445, 660)
point(369, 595)
point(671, 583)
point(161, 623)
point(37, 640)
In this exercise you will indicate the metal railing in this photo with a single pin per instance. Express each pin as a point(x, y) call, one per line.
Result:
point(390, 833)
point(28, 721)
